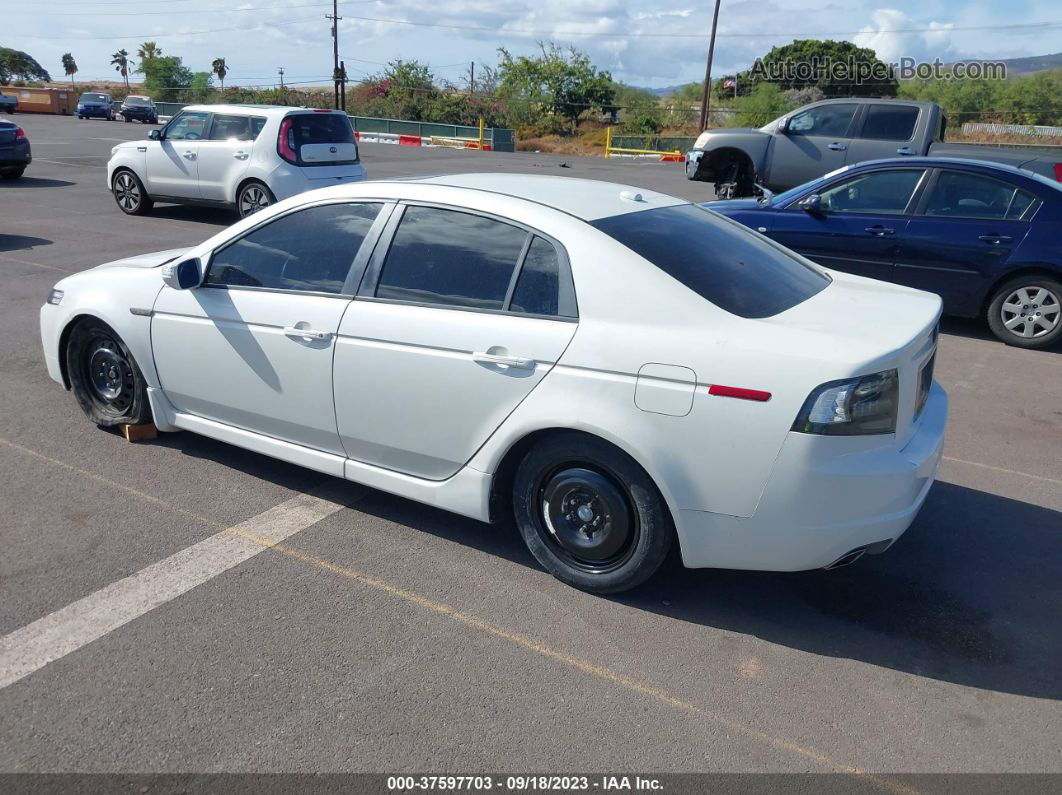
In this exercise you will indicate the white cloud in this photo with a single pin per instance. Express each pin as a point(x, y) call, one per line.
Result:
point(890, 46)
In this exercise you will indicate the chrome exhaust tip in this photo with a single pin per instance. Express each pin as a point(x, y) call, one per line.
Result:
point(847, 559)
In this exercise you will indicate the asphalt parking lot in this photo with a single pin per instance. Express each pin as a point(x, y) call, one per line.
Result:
point(386, 636)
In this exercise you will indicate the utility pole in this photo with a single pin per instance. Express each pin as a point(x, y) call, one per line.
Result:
point(337, 77)
point(280, 71)
point(472, 80)
point(706, 97)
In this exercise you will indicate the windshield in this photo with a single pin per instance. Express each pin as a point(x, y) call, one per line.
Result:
point(137, 101)
point(719, 259)
point(94, 98)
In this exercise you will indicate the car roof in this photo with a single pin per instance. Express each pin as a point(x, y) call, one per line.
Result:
point(959, 162)
point(587, 199)
point(267, 110)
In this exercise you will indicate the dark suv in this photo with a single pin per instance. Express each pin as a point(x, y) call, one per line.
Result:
point(140, 109)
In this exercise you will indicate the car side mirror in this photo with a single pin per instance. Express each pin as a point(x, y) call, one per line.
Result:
point(155, 135)
point(812, 204)
point(183, 275)
point(783, 126)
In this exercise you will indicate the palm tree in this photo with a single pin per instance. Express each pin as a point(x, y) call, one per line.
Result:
point(148, 51)
point(220, 69)
point(120, 62)
point(70, 67)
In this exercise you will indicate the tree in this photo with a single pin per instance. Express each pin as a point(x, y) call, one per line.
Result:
point(146, 52)
point(17, 65)
point(220, 68)
point(166, 78)
point(755, 109)
point(120, 62)
point(70, 67)
point(561, 83)
point(201, 88)
point(837, 68)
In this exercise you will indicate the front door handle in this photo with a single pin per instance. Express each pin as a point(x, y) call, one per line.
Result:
point(516, 362)
point(241, 155)
point(306, 333)
point(880, 231)
point(189, 155)
point(905, 150)
point(995, 239)
point(837, 147)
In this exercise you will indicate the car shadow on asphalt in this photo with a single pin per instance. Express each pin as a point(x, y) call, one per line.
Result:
point(36, 182)
point(971, 594)
point(22, 242)
point(216, 216)
point(977, 329)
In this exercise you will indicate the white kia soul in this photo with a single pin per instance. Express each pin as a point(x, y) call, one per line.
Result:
point(237, 156)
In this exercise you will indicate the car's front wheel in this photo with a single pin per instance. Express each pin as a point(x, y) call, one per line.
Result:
point(253, 196)
point(590, 514)
point(15, 173)
point(104, 377)
point(129, 193)
point(1027, 312)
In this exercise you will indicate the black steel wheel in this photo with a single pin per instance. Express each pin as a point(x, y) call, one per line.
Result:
point(104, 377)
point(590, 514)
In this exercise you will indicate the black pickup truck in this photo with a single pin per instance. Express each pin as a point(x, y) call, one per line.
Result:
point(818, 138)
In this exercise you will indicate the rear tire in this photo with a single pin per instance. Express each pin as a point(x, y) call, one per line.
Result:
point(104, 377)
point(1027, 312)
point(590, 514)
point(253, 196)
point(16, 174)
point(129, 193)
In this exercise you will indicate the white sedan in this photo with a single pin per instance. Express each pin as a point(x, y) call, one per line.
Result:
point(616, 368)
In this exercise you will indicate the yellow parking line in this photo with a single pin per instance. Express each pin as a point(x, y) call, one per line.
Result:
point(441, 608)
point(1002, 469)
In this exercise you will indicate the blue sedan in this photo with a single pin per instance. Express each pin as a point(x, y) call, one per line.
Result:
point(15, 153)
point(983, 236)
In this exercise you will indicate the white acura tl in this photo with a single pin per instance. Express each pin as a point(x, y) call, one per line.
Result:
point(614, 367)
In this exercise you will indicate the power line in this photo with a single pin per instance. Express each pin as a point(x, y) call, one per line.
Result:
point(162, 36)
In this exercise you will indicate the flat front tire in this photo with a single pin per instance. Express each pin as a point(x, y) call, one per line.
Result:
point(590, 514)
point(129, 193)
point(1027, 312)
point(104, 377)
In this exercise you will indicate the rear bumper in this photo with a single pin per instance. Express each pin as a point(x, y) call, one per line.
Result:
point(16, 156)
point(826, 497)
point(287, 180)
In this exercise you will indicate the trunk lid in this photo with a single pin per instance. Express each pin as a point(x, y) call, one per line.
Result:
point(7, 133)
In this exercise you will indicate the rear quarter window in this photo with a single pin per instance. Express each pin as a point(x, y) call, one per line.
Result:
point(720, 260)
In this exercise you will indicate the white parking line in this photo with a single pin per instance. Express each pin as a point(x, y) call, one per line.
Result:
point(68, 629)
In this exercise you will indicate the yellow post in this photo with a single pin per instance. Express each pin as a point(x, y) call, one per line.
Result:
point(481, 133)
point(608, 142)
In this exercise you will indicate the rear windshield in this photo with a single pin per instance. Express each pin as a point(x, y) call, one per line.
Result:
point(94, 97)
point(321, 128)
point(718, 259)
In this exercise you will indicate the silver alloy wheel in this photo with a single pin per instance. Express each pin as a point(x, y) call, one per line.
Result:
point(1031, 312)
point(252, 199)
point(126, 192)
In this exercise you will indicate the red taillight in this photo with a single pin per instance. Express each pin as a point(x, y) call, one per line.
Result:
point(20, 133)
point(1058, 171)
point(286, 142)
point(738, 392)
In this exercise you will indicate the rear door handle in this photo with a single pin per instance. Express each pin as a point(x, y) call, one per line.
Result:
point(240, 155)
point(516, 362)
point(880, 231)
point(306, 333)
point(837, 147)
point(189, 155)
point(995, 238)
point(905, 150)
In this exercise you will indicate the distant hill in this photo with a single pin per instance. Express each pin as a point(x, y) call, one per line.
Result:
point(1033, 63)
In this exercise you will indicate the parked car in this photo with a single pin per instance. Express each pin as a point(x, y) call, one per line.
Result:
point(15, 153)
point(823, 136)
point(614, 367)
point(983, 236)
point(93, 105)
point(140, 109)
point(8, 103)
point(240, 156)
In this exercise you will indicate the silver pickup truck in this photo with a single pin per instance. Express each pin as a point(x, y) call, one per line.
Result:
point(818, 138)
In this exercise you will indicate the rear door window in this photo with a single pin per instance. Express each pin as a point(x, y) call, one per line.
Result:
point(889, 122)
point(959, 195)
point(719, 259)
point(451, 258)
point(226, 127)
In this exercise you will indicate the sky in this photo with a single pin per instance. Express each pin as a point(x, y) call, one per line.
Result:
point(651, 43)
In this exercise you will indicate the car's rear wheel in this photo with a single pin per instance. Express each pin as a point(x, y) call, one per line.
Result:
point(129, 193)
point(589, 514)
point(104, 377)
point(127, 119)
point(1027, 312)
point(253, 196)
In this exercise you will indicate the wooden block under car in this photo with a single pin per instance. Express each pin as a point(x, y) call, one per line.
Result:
point(137, 433)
